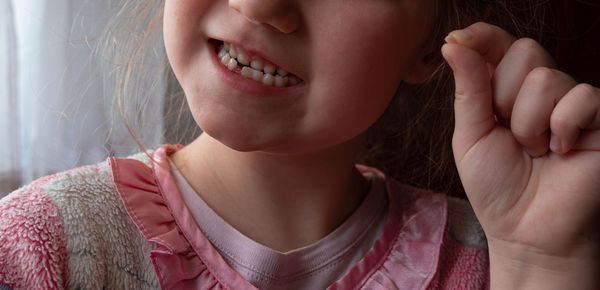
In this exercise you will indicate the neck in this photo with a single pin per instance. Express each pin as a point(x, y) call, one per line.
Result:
point(281, 201)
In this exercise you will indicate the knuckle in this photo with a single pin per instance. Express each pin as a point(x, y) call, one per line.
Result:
point(485, 28)
point(532, 53)
point(540, 77)
point(526, 45)
point(586, 91)
point(480, 26)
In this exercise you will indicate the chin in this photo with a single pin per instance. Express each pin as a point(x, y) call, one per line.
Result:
point(247, 142)
point(253, 137)
point(235, 136)
point(238, 142)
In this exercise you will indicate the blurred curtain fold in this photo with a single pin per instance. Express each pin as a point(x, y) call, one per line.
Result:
point(9, 121)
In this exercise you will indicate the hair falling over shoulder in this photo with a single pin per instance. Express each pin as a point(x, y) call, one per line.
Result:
point(410, 142)
point(138, 68)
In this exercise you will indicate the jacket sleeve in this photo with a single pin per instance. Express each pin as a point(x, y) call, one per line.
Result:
point(32, 241)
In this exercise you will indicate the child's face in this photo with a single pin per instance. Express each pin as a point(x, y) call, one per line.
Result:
point(351, 55)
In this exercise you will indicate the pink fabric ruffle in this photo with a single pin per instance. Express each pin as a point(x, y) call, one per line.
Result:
point(406, 256)
point(33, 251)
point(150, 197)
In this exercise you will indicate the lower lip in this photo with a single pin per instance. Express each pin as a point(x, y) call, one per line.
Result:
point(246, 85)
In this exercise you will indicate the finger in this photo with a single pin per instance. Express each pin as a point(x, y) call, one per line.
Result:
point(576, 111)
point(491, 41)
point(521, 58)
point(542, 89)
point(474, 117)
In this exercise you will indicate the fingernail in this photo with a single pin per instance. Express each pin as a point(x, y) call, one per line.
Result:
point(450, 39)
point(462, 36)
point(555, 144)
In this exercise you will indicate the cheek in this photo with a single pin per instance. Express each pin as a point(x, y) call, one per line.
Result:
point(361, 56)
point(181, 21)
point(358, 74)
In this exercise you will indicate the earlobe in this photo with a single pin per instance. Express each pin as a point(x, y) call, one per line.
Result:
point(421, 71)
point(424, 69)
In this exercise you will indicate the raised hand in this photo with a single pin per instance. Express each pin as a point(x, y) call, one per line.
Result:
point(527, 148)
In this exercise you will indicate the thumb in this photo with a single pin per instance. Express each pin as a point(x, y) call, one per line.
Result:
point(474, 117)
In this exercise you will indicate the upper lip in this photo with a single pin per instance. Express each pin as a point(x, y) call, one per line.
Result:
point(255, 48)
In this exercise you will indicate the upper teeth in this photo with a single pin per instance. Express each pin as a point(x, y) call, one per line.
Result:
point(259, 69)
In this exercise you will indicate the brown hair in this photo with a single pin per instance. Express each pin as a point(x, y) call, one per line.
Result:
point(410, 142)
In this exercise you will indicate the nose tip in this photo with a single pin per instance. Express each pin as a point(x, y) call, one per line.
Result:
point(278, 14)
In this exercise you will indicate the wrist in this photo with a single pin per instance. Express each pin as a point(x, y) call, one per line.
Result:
point(514, 266)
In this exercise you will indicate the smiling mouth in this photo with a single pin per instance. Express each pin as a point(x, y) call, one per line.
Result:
point(254, 67)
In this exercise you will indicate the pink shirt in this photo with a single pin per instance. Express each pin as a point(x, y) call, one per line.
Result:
point(315, 266)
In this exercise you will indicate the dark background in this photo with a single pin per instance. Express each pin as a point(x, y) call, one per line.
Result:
point(574, 39)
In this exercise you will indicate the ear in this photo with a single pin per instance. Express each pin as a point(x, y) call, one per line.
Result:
point(422, 69)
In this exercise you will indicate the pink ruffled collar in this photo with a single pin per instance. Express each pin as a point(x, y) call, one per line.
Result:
point(408, 249)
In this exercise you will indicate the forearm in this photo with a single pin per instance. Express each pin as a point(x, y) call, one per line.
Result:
point(520, 267)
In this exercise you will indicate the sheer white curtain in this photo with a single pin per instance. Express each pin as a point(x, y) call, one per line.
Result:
point(56, 112)
point(8, 99)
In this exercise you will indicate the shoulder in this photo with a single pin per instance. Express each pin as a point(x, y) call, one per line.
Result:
point(89, 226)
point(457, 217)
point(88, 188)
point(101, 238)
point(435, 241)
point(461, 260)
point(86, 192)
point(461, 223)
point(32, 240)
point(86, 182)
